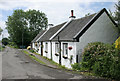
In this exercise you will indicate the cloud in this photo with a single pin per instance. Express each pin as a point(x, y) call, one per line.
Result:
point(57, 11)
point(1, 16)
point(10, 4)
point(5, 33)
point(60, 12)
point(2, 24)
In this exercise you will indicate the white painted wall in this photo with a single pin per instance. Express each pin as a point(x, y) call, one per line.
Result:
point(103, 30)
point(54, 57)
point(48, 55)
point(66, 62)
point(39, 51)
point(33, 45)
point(36, 47)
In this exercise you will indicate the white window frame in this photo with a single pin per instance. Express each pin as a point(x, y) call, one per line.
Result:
point(46, 46)
point(57, 48)
point(65, 49)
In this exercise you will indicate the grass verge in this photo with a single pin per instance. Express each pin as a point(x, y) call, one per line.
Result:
point(33, 57)
point(1, 48)
point(51, 61)
point(12, 46)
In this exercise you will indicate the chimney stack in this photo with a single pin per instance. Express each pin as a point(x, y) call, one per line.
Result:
point(71, 12)
point(72, 16)
point(50, 26)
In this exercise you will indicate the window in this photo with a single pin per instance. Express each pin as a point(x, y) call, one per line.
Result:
point(65, 49)
point(46, 47)
point(56, 47)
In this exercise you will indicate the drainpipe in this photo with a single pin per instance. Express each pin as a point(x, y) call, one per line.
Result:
point(60, 50)
point(51, 49)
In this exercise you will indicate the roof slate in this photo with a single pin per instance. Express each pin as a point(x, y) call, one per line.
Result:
point(71, 30)
point(51, 32)
point(34, 40)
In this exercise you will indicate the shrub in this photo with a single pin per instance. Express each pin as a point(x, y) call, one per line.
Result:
point(117, 43)
point(32, 51)
point(76, 66)
point(101, 59)
point(5, 41)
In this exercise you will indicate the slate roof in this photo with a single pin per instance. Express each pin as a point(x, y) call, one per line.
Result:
point(51, 32)
point(71, 30)
point(34, 40)
point(77, 27)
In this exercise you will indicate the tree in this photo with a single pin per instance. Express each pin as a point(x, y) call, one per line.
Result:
point(36, 21)
point(24, 26)
point(0, 30)
point(5, 41)
point(117, 15)
point(16, 25)
point(88, 14)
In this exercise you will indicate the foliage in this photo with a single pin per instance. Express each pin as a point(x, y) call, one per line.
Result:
point(5, 41)
point(101, 59)
point(88, 14)
point(0, 30)
point(32, 51)
point(2, 48)
point(117, 43)
point(116, 15)
point(24, 26)
point(76, 66)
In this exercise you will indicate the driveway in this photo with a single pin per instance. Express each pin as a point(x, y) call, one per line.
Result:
point(17, 65)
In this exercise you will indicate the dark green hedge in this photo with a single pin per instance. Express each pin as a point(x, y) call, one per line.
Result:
point(101, 59)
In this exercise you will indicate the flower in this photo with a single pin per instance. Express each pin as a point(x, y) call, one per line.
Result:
point(70, 48)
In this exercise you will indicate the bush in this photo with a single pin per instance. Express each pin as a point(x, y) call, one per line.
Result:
point(32, 51)
point(101, 59)
point(76, 66)
point(5, 41)
point(117, 43)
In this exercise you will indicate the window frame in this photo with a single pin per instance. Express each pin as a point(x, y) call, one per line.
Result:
point(65, 49)
point(57, 48)
point(46, 46)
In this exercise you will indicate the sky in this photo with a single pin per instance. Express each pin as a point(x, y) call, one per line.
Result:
point(57, 11)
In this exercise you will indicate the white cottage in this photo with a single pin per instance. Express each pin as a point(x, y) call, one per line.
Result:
point(64, 43)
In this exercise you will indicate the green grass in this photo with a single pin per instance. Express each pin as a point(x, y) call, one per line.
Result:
point(12, 46)
point(1, 48)
point(25, 52)
point(38, 60)
point(33, 57)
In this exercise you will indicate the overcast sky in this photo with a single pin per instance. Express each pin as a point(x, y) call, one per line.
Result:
point(57, 11)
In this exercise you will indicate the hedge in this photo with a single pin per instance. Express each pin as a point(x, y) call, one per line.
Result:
point(117, 43)
point(101, 59)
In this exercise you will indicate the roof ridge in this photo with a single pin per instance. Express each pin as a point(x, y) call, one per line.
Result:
point(58, 25)
point(86, 16)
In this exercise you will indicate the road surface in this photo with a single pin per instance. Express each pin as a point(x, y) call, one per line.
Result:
point(17, 65)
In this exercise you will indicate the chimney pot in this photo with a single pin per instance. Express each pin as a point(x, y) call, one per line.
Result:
point(72, 16)
point(71, 12)
point(50, 26)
